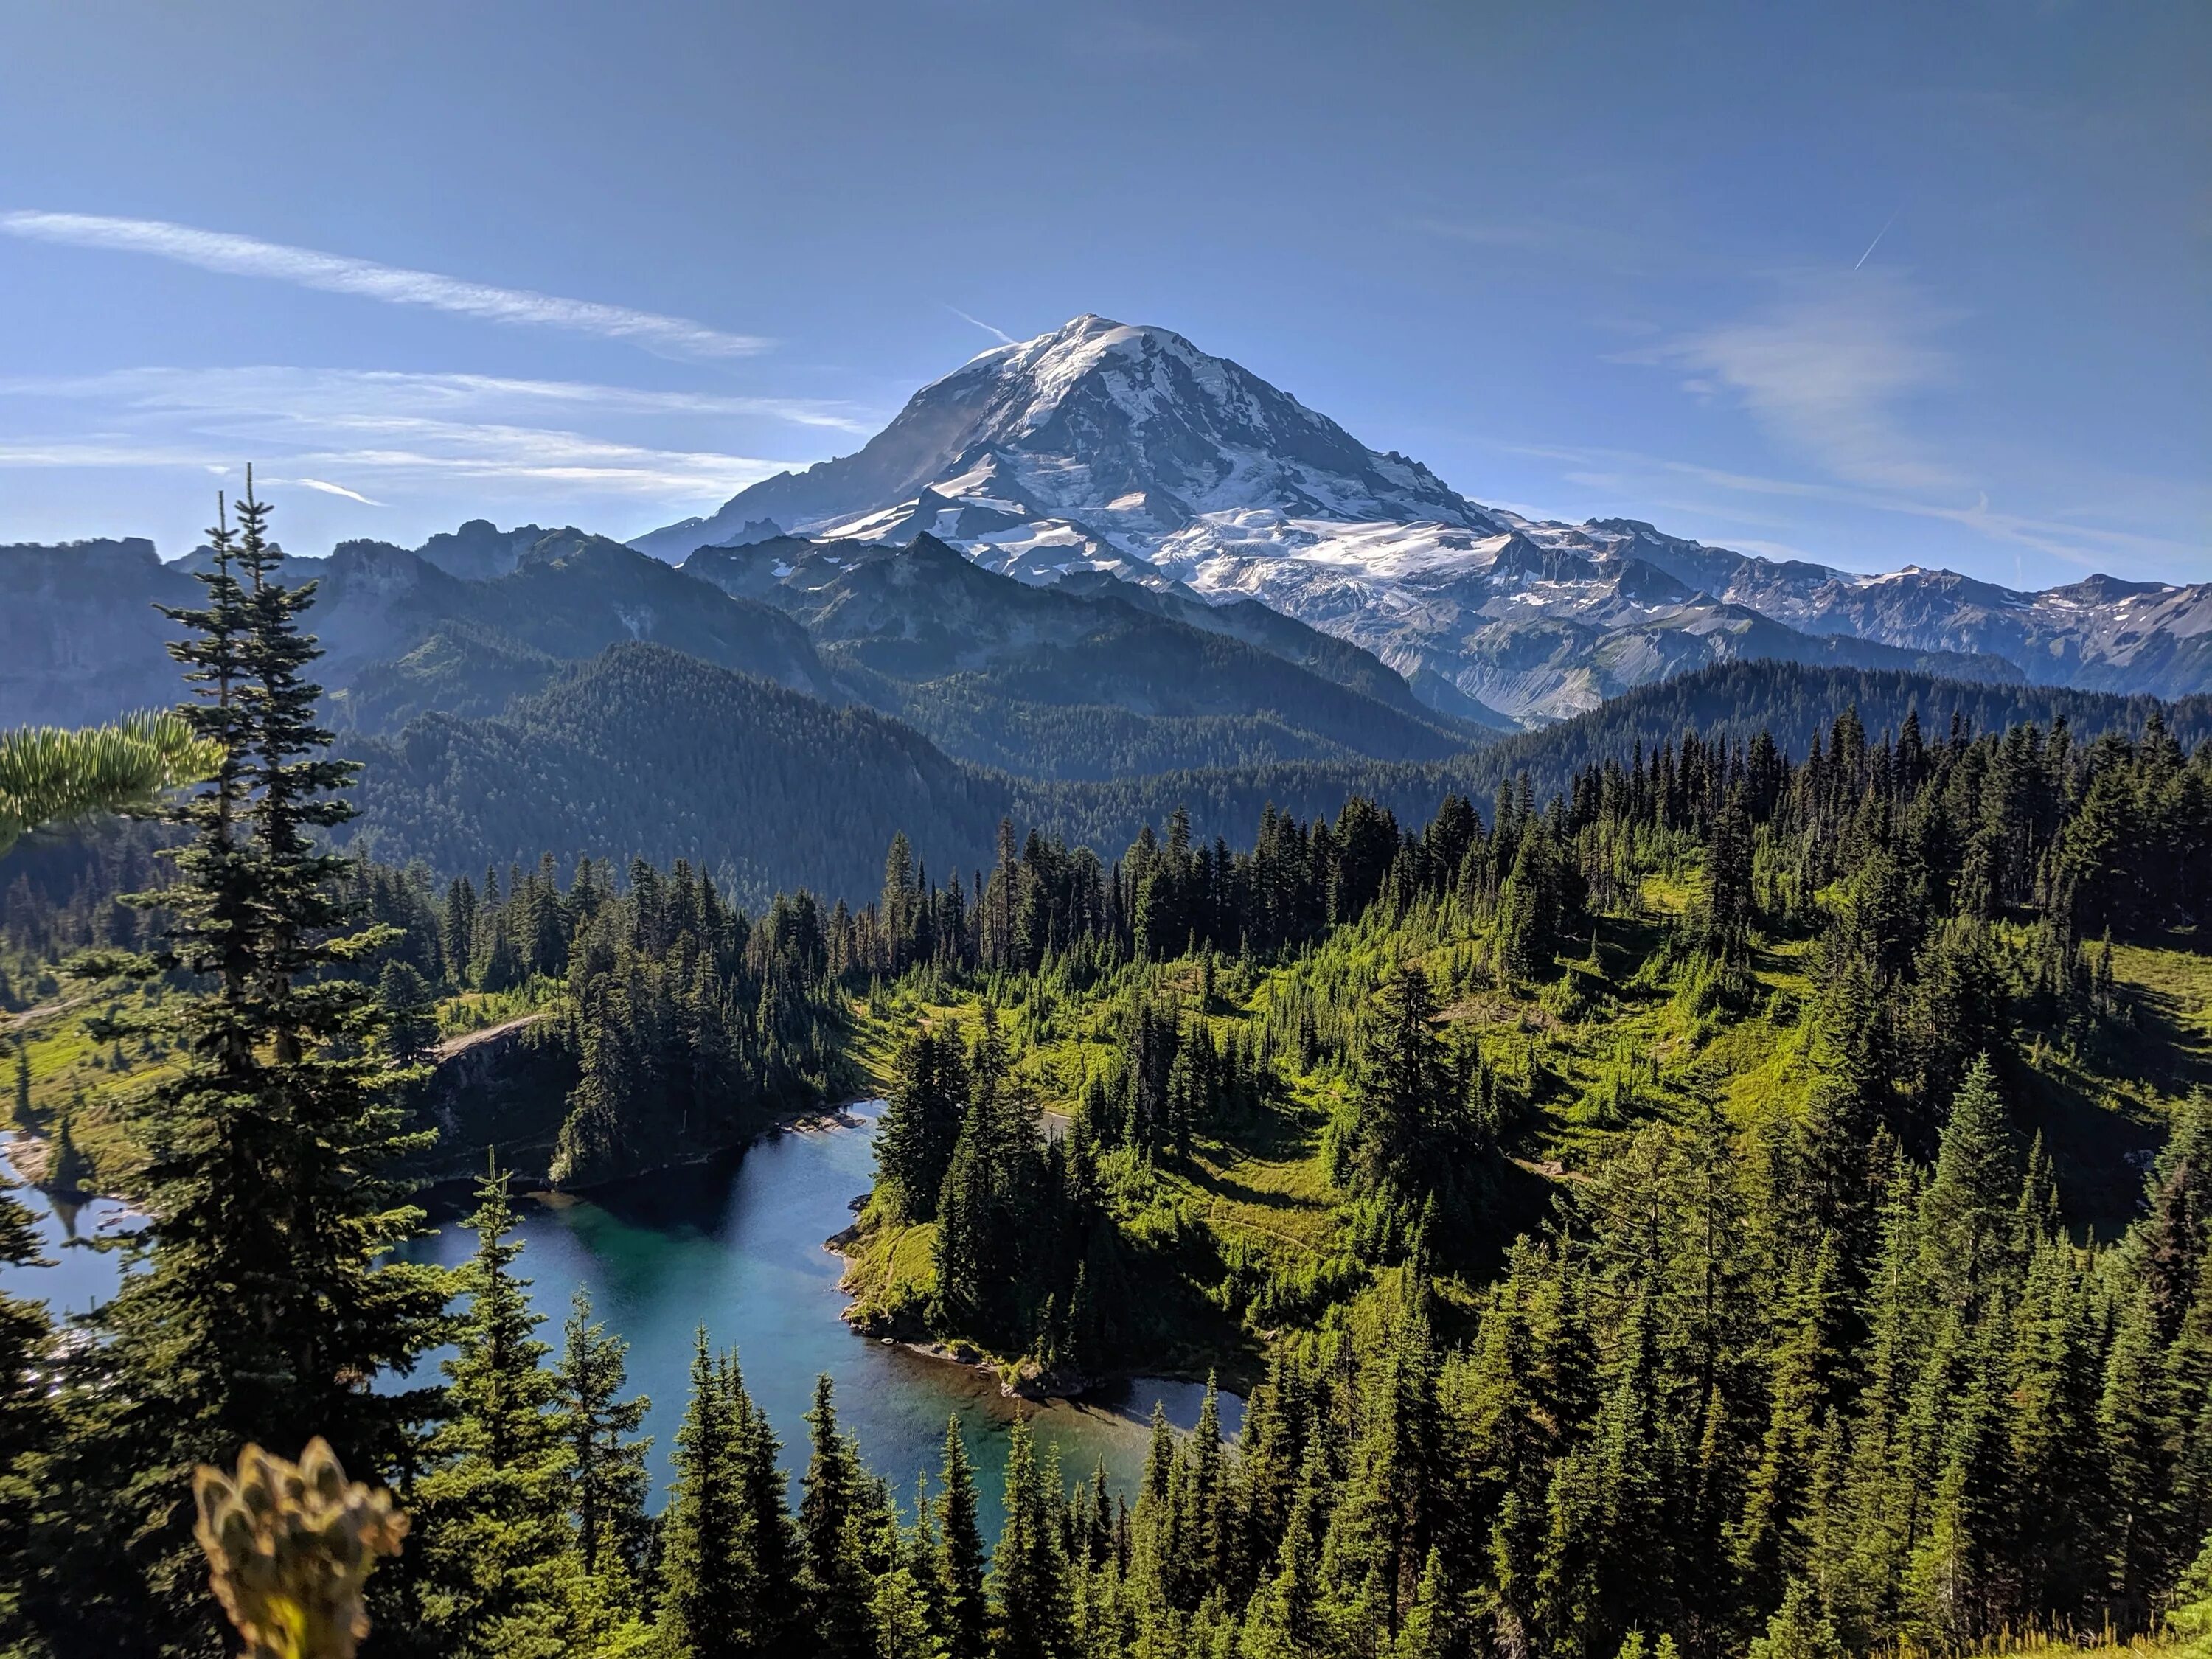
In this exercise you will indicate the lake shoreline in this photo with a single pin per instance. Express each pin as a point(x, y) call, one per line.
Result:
point(813, 1119)
point(1041, 1389)
point(1104, 1383)
point(734, 1246)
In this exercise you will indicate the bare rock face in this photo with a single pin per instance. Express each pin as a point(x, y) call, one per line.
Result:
point(1032, 1381)
point(80, 639)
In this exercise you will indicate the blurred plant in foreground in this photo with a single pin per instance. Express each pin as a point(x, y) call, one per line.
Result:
point(48, 775)
point(289, 1546)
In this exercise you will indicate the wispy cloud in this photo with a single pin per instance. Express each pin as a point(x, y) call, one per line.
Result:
point(378, 437)
point(1646, 478)
point(1825, 369)
point(2084, 544)
point(334, 273)
point(400, 455)
point(312, 392)
point(1003, 337)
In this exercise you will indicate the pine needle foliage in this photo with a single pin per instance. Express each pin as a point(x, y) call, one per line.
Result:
point(262, 1305)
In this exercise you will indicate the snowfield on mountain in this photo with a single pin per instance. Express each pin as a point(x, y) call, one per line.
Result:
point(1101, 446)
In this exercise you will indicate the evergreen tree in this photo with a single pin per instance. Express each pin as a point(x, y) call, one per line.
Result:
point(497, 1551)
point(411, 1030)
point(266, 1301)
point(966, 1616)
point(1970, 1204)
point(704, 1582)
point(1799, 1630)
point(898, 1606)
point(1030, 1607)
point(607, 1478)
point(2136, 1421)
point(832, 1525)
point(920, 1125)
point(1405, 1081)
point(772, 1554)
point(27, 1419)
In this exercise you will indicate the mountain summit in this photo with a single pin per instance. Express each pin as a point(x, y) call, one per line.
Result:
point(1126, 435)
point(1101, 446)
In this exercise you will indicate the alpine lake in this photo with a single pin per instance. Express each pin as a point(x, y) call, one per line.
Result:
point(737, 1246)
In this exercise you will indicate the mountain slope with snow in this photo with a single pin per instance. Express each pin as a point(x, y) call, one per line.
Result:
point(1105, 447)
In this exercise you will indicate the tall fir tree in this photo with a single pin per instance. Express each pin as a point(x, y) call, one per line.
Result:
point(965, 1619)
point(914, 1141)
point(834, 1525)
point(498, 1552)
point(1029, 1595)
point(266, 1301)
point(607, 1478)
point(703, 1586)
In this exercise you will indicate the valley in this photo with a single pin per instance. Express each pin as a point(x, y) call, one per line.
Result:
point(1133, 832)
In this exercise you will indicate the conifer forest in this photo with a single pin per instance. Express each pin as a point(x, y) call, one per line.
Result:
point(976, 830)
point(1749, 1199)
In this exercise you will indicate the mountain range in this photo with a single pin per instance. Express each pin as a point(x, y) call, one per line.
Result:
point(774, 711)
point(1091, 678)
point(1101, 447)
point(1080, 580)
point(647, 752)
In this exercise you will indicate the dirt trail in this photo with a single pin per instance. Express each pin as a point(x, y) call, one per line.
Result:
point(468, 1040)
point(31, 1016)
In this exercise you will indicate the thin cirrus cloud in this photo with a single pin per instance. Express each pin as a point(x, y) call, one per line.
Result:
point(1825, 370)
point(270, 389)
point(415, 452)
point(1648, 480)
point(334, 273)
point(365, 435)
point(401, 454)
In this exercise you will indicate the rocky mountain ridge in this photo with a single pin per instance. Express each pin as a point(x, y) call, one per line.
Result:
point(1103, 448)
point(1085, 682)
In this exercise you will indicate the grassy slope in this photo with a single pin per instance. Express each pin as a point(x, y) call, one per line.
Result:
point(1629, 1045)
point(90, 1083)
point(1630, 1041)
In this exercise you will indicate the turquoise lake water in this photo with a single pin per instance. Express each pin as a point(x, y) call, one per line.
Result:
point(738, 1246)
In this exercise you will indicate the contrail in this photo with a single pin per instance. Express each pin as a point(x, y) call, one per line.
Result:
point(335, 273)
point(328, 489)
point(1876, 243)
point(1005, 338)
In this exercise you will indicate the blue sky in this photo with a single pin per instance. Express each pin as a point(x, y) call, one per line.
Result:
point(1873, 284)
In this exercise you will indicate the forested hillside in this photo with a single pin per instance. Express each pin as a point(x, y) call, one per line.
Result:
point(645, 752)
point(80, 640)
point(1744, 1192)
point(1792, 702)
point(1854, 1321)
point(1091, 681)
point(82, 637)
point(1088, 682)
point(646, 755)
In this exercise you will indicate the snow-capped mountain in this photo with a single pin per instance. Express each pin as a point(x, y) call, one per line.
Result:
point(1101, 446)
point(1124, 435)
